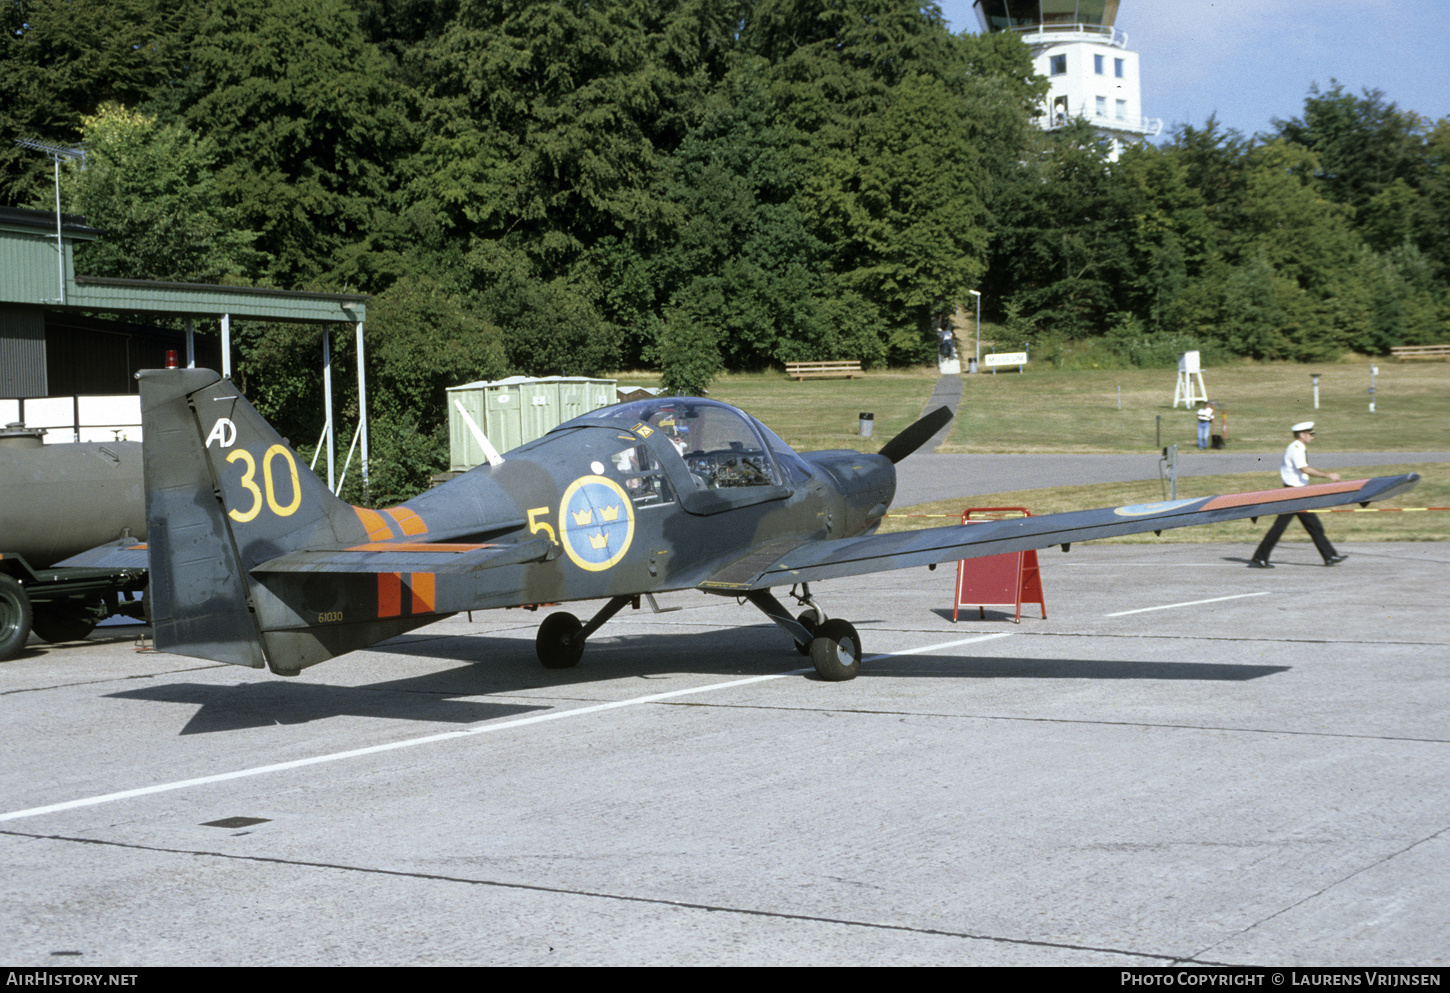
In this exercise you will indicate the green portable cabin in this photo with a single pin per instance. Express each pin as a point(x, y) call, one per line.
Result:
point(516, 410)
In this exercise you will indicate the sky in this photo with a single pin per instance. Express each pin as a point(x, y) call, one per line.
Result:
point(1252, 61)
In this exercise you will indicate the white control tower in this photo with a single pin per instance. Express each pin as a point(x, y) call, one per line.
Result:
point(1086, 60)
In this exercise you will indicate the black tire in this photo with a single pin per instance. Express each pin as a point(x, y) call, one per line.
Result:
point(558, 643)
point(806, 619)
point(57, 622)
point(15, 617)
point(836, 651)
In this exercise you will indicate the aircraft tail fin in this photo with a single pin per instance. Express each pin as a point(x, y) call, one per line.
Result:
point(224, 494)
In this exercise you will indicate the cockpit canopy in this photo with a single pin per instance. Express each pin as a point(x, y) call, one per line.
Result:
point(723, 447)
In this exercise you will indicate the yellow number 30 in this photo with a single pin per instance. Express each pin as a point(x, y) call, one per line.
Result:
point(249, 484)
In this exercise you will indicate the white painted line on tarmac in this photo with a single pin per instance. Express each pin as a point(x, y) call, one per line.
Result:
point(262, 770)
point(936, 648)
point(1190, 603)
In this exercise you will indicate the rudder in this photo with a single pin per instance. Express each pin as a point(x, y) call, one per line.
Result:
point(224, 492)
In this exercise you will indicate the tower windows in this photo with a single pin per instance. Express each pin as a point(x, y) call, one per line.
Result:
point(1098, 64)
point(1057, 65)
point(1118, 68)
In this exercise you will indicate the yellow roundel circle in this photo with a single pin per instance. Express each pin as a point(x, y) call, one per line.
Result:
point(596, 522)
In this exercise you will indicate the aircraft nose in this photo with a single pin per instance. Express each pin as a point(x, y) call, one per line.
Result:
point(867, 485)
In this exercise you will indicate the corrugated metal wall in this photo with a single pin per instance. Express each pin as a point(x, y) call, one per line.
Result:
point(28, 272)
point(22, 351)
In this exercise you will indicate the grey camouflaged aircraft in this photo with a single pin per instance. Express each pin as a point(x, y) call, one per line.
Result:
point(254, 561)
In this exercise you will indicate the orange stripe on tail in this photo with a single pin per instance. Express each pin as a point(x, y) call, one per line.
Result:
point(409, 521)
point(374, 523)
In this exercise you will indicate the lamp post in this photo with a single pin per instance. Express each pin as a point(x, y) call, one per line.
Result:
point(977, 362)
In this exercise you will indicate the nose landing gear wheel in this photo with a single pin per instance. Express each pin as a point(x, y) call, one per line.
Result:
point(559, 643)
point(836, 651)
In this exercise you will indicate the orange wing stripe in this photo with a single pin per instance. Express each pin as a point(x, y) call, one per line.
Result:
point(1287, 493)
point(415, 546)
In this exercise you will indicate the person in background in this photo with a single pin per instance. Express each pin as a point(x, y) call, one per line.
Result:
point(1296, 471)
point(1205, 422)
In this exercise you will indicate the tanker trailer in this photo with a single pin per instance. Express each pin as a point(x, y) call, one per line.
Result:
point(57, 502)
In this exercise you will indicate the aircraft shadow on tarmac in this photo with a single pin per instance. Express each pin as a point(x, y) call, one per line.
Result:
point(263, 704)
point(505, 665)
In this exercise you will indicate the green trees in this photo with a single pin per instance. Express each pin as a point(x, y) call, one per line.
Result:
point(61, 60)
point(1296, 246)
point(575, 186)
point(151, 189)
point(306, 122)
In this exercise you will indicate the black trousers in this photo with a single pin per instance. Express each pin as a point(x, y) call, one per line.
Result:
point(1311, 524)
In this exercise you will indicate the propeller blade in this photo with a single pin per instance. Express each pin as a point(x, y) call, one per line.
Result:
point(917, 435)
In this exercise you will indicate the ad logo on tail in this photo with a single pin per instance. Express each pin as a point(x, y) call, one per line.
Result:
point(225, 433)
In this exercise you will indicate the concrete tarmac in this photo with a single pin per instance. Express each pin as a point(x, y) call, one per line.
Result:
point(1187, 763)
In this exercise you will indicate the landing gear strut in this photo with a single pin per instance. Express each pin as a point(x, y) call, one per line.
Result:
point(560, 641)
point(832, 644)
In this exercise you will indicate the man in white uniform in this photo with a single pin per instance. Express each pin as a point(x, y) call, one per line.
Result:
point(1296, 471)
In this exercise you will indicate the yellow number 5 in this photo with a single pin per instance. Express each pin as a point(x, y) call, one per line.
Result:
point(536, 525)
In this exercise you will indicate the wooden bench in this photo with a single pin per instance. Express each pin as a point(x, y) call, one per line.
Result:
point(1421, 351)
point(823, 370)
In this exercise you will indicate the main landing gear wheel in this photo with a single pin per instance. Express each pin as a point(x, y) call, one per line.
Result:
point(559, 643)
point(808, 619)
point(836, 651)
point(15, 617)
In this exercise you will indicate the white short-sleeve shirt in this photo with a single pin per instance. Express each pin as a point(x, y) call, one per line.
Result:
point(1295, 459)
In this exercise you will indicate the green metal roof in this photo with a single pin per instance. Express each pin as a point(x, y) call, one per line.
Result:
point(29, 275)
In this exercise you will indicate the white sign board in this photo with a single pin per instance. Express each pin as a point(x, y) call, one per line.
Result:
point(1006, 358)
point(1188, 362)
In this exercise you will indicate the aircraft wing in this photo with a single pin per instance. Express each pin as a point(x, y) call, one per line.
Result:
point(423, 556)
point(831, 558)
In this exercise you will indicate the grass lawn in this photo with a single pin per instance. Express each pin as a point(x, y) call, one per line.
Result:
point(825, 413)
point(1052, 410)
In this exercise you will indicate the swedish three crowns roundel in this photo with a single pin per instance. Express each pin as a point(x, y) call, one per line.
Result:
point(596, 521)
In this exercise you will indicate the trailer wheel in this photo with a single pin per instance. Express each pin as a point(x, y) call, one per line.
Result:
point(57, 622)
point(15, 617)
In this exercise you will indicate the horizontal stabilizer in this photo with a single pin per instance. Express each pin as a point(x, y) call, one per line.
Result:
point(435, 557)
point(123, 553)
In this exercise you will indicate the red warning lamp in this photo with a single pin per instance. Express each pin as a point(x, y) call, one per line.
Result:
point(171, 358)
